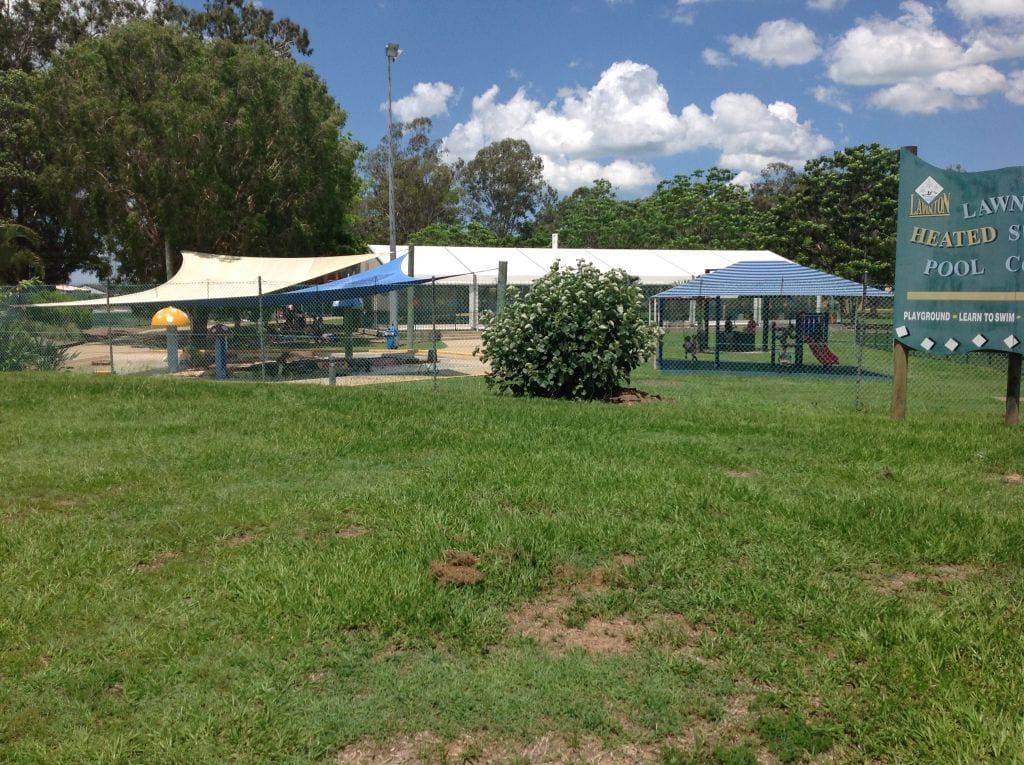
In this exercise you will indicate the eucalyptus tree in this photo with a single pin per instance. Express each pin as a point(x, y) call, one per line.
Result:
point(503, 186)
point(209, 145)
point(425, 190)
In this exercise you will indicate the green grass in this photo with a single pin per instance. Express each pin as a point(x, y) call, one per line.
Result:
point(175, 589)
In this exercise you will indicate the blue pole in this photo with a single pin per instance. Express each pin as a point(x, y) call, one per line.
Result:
point(220, 349)
point(172, 349)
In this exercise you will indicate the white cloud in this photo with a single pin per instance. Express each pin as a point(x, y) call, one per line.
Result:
point(714, 57)
point(426, 100)
point(955, 89)
point(567, 174)
point(880, 51)
point(625, 116)
point(777, 43)
point(683, 14)
point(825, 5)
point(925, 70)
point(971, 10)
point(1015, 88)
point(832, 97)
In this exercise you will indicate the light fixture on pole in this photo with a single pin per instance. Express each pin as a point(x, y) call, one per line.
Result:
point(392, 51)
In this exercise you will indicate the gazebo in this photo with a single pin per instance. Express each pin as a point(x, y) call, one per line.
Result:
point(755, 316)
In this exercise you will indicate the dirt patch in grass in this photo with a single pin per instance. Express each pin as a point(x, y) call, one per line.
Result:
point(733, 727)
point(246, 537)
point(901, 581)
point(351, 532)
point(734, 473)
point(1016, 478)
point(632, 396)
point(458, 567)
point(545, 619)
point(157, 562)
point(550, 749)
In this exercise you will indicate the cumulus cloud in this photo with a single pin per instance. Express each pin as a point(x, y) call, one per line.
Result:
point(777, 43)
point(956, 89)
point(626, 116)
point(1015, 87)
point(426, 100)
point(831, 97)
point(971, 10)
point(924, 69)
point(714, 57)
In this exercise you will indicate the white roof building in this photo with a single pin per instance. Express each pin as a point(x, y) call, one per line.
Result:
point(527, 264)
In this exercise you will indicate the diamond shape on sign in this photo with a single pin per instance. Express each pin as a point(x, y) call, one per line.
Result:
point(1011, 341)
point(902, 331)
point(927, 343)
point(979, 340)
point(951, 344)
point(929, 189)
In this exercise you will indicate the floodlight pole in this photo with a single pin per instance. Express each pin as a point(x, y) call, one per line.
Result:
point(392, 51)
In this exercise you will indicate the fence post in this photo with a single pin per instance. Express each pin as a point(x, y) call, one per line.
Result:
point(859, 340)
point(110, 331)
point(900, 364)
point(263, 343)
point(502, 286)
point(410, 302)
point(1012, 389)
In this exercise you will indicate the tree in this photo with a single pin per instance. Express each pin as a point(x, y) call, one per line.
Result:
point(18, 258)
point(503, 186)
point(455, 235)
point(704, 210)
point(425, 192)
point(777, 181)
point(592, 216)
point(578, 333)
point(32, 33)
point(841, 216)
point(243, 21)
point(208, 145)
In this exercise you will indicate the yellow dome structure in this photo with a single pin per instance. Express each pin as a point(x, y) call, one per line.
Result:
point(170, 317)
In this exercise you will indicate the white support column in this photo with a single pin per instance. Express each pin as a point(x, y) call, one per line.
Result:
point(474, 304)
point(758, 309)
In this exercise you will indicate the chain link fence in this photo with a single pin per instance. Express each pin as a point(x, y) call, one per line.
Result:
point(431, 330)
point(839, 350)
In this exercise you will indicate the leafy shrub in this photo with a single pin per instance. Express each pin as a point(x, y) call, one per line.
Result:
point(20, 350)
point(577, 334)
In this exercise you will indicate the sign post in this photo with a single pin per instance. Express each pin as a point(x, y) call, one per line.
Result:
point(959, 269)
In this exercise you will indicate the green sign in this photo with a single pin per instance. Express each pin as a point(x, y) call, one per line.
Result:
point(959, 259)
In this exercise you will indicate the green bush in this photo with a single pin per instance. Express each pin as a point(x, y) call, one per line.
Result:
point(577, 334)
point(20, 350)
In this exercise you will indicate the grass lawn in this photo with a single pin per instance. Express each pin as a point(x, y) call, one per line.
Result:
point(745, 571)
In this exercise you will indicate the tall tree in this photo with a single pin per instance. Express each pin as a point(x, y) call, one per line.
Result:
point(32, 33)
point(504, 186)
point(209, 145)
point(777, 180)
point(244, 21)
point(425, 192)
point(841, 215)
point(703, 210)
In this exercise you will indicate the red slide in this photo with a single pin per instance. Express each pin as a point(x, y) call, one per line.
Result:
point(822, 353)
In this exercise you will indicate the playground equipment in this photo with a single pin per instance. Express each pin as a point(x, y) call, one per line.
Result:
point(172, 318)
point(810, 329)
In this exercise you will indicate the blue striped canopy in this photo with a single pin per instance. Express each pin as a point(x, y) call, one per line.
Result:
point(765, 278)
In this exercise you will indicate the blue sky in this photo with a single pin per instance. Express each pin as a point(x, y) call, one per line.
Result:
point(638, 91)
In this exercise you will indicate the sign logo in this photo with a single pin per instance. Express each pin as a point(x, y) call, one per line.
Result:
point(928, 201)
